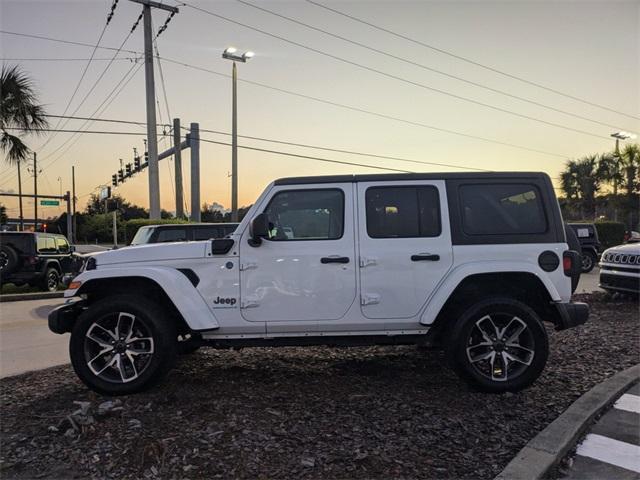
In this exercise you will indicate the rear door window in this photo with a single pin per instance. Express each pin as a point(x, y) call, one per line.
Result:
point(403, 212)
point(502, 209)
point(46, 244)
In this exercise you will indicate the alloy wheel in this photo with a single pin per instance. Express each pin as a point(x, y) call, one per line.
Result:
point(52, 281)
point(118, 347)
point(4, 260)
point(500, 347)
point(587, 262)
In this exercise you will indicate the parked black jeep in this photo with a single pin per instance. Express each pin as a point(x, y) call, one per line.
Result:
point(37, 259)
point(589, 242)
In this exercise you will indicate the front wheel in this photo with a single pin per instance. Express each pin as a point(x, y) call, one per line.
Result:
point(122, 344)
point(498, 345)
point(51, 280)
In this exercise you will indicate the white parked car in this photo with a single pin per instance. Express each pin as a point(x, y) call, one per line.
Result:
point(471, 262)
point(620, 269)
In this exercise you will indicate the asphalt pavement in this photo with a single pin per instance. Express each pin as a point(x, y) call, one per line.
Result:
point(25, 340)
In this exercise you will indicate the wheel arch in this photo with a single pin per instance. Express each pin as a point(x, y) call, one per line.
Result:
point(523, 286)
point(160, 284)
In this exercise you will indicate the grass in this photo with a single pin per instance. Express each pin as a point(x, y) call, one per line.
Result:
point(10, 288)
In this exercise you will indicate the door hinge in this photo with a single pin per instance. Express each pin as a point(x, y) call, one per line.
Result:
point(249, 303)
point(370, 299)
point(248, 266)
point(365, 261)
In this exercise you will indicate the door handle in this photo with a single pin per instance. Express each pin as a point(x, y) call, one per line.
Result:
point(425, 257)
point(334, 260)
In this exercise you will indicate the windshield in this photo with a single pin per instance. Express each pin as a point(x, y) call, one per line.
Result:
point(142, 236)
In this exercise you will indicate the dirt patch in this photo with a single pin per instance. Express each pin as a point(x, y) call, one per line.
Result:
point(378, 412)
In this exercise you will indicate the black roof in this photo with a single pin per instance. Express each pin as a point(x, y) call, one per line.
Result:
point(381, 177)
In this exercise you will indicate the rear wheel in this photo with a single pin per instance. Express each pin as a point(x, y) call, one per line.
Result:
point(122, 344)
point(589, 260)
point(8, 260)
point(498, 345)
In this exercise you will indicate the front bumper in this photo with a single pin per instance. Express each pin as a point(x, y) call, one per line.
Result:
point(571, 314)
point(62, 318)
point(629, 283)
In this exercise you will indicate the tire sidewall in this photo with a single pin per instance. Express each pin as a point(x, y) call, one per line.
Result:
point(592, 257)
point(11, 259)
point(457, 354)
point(161, 330)
point(45, 281)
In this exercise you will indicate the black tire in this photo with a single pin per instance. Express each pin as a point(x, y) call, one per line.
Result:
point(461, 346)
point(151, 367)
point(51, 280)
point(8, 260)
point(589, 260)
point(188, 344)
point(574, 244)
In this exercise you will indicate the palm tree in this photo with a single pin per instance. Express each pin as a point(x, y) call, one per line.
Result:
point(581, 180)
point(611, 172)
point(630, 162)
point(20, 110)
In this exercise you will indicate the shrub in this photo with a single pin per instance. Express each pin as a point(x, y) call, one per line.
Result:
point(610, 233)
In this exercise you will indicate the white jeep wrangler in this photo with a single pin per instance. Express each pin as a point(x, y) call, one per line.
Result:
point(471, 262)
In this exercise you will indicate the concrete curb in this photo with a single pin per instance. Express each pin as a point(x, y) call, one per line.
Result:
point(15, 297)
point(550, 446)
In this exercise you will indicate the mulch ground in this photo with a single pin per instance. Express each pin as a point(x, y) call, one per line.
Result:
point(377, 412)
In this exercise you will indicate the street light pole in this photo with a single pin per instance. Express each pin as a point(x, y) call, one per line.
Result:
point(230, 54)
point(234, 144)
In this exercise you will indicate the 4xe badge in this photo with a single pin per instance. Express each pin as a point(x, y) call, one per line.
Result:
point(221, 302)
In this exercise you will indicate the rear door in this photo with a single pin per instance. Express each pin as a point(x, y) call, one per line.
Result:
point(405, 245)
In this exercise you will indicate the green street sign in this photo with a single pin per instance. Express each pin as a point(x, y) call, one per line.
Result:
point(53, 203)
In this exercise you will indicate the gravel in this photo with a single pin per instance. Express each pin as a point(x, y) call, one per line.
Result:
point(376, 412)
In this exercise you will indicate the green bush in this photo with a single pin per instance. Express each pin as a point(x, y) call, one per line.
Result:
point(610, 233)
point(132, 226)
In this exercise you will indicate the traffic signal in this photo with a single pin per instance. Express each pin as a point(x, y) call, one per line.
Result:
point(128, 167)
point(121, 175)
point(146, 158)
point(114, 180)
point(136, 163)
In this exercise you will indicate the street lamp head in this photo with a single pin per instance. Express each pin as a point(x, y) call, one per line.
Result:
point(231, 54)
point(624, 135)
point(231, 50)
point(248, 54)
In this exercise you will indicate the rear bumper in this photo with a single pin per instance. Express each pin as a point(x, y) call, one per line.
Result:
point(571, 314)
point(62, 318)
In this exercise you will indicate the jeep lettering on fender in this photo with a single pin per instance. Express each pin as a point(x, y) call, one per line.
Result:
point(473, 263)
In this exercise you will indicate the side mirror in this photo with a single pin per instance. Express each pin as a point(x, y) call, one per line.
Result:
point(258, 229)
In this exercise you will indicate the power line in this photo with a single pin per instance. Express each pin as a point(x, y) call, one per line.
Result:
point(97, 81)
point(320, 159)
point(68, 42)
point(365, 111)
point(84, 70)
point(468, 60)
point(395, 77)
point(425, 67)
point(61, 59)
point(105, 132)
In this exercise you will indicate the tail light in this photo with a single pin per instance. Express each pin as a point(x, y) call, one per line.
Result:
point(567, 264)
point(571, 263)
point(32, 260)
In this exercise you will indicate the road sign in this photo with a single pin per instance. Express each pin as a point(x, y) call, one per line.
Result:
point(53, 203)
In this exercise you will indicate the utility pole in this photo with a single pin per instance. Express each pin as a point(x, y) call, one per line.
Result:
point(178, 165)
point(234, 145)
point(67, 197)
point(35, 192)
point(20, 199)
point(152, 136)
point(73, 188)
point(194, 143)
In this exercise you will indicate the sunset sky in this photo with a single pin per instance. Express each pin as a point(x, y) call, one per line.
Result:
point(589, 50)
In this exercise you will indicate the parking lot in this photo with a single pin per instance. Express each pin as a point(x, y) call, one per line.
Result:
point(305, 412)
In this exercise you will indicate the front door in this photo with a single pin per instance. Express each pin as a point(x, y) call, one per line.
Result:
point(405, 245)
point(306, 270)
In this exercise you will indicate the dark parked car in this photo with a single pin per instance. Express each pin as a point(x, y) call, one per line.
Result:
point(37, 259)
point(589, 243)
point(182, 232)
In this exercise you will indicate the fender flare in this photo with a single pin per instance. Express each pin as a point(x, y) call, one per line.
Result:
point(187, 299)
point(446, 288)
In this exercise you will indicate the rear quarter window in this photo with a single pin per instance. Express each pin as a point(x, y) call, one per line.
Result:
point(502, 209)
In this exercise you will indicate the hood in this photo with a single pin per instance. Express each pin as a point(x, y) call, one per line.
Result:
point(153, 252)
point(628, 248)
